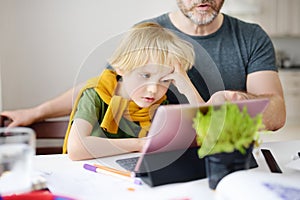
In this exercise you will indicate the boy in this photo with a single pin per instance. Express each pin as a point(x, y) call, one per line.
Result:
point(113, 112)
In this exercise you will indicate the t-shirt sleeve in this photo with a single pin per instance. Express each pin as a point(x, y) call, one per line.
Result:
point(262, 55)
point(88, 107)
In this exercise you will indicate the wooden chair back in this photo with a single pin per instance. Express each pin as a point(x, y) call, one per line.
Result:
point(49, 134)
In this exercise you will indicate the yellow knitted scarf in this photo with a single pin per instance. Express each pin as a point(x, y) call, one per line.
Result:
point(118, 107)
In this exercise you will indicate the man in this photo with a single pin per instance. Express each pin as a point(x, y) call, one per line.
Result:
point(243, 55)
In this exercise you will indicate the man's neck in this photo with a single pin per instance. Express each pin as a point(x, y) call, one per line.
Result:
point(185, 25)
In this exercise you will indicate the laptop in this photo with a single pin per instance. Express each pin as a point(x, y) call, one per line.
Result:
point(172, 131)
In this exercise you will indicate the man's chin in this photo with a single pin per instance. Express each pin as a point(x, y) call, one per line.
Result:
point(202, 18)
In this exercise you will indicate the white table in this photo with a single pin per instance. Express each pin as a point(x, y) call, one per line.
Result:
point(68, 177)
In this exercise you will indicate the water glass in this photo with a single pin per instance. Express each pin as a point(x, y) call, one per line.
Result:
point(17, 148)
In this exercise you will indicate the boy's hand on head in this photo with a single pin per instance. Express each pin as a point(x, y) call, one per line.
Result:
point(179, 78)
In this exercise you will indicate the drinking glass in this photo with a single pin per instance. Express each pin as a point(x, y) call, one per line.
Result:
point(17, 148)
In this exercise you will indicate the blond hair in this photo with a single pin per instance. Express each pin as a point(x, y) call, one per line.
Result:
point(150, 41)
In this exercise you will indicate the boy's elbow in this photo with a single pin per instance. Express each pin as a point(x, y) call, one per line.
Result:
point(77, 155)
point(76, 152)
point(73, 153)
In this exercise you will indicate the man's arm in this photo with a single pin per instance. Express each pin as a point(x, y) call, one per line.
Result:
point(267, 84)
point(56, 107)
point(263, 84)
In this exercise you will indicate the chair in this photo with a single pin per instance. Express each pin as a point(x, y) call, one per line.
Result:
point(49, 134)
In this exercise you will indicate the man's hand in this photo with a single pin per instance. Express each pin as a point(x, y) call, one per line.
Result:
point(227, 95)
point(22, 117)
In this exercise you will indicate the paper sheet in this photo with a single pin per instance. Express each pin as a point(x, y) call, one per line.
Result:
point(295, 164)
point(249, 185)
point(70, 179)
point(86, 185)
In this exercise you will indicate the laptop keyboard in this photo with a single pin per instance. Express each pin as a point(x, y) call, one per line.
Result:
point(128, 163)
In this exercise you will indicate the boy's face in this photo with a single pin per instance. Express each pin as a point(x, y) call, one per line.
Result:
point(146, 85)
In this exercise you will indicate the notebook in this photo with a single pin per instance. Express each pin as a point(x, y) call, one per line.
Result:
point(172, 131)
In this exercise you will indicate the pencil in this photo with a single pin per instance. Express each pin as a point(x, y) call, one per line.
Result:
point(113, 172)
point(123, 173)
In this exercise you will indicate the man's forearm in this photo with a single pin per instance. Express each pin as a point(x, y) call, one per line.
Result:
point(273, 117)
point(275, 114)
point(59, 106)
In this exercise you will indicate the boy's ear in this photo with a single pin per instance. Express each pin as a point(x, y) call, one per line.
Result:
point(120, 72)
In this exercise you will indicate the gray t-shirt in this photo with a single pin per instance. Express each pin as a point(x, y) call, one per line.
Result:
point(231, 53)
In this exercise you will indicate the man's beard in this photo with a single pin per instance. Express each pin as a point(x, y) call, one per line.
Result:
point(206, 18)
point(200, 18)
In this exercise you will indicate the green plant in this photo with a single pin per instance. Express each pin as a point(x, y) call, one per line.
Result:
point(226, 129)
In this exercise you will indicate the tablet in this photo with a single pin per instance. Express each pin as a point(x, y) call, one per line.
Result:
point(172, 128)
